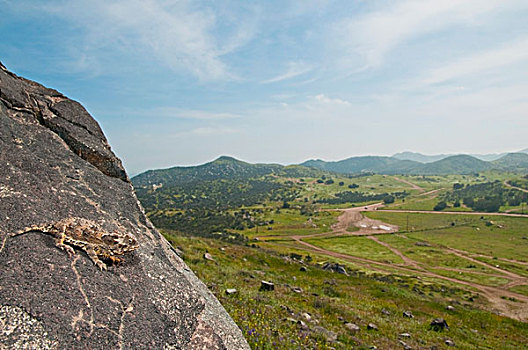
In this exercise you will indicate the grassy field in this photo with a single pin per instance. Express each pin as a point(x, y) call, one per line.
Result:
point(291, 222)
point(313, 315)
point(357, 246)
point(500, 236)
point(422, 221)
point(435, 260)
point(521, 289)
point(311, 190)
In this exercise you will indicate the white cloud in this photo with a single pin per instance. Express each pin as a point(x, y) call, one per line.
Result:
point(206, 131)
point(367, 39)
point(327, 100)
point(161, 113)
point(178, 34)
point(191, 114)
point(295, 69)
point(497, 58)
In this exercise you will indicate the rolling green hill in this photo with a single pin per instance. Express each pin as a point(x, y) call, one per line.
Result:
point(512, 162)
point(458, 164)
point(374, 164)
point(224, 167)
point(418, 157)
point(221, 168)
point(230, 168)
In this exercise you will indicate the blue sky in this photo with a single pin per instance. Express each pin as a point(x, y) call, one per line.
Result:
point(182, 82)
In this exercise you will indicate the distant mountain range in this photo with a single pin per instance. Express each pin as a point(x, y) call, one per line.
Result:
point(423, 158)
point(229, 168)
point(457, 164)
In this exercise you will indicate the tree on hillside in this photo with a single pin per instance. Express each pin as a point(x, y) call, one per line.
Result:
point(440, 206)
point(458, 186)
point(388, 199)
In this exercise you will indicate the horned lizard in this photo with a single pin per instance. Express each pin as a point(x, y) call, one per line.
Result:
point(90, 237)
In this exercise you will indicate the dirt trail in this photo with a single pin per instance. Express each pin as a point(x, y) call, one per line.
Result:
point(414, 186)
point(501, 259)
point(431, 192)
point(477, 273)
point(454, 213)
point(407, 260)
point(516, 310)
point(507, 184)
point(465, 255)
point(496, 296)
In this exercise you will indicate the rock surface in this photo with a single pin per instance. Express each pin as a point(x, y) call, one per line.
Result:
point(55, 163)
point(267, 286)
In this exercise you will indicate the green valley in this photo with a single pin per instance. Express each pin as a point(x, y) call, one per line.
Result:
point(355, 260)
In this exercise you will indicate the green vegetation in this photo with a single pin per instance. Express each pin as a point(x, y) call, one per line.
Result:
point(266, 222)
point(357, 246)
point(359, 197)
point(521, 183)
point(276, 320)
point(492, 236)
point(456, 164)
point(489, 196)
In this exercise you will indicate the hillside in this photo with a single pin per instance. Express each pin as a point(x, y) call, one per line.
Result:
point(423, 158)
point(224, 167)
point(457, 164)
point(512, 162)
point(375, 164)
point(460, 164)
point(221, 168)
point(334, 273)
point(419, 157)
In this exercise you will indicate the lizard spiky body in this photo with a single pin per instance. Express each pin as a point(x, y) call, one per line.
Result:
point(88, 236)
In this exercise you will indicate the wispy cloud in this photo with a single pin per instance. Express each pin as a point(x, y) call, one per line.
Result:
point(171, 112)
point(496, 58)
point(367, 39)
point(295, 69)
point(175, 113)
point(334, 101)
point(178, 34)
point(205, 131)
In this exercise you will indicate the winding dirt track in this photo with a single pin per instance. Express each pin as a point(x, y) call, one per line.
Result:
point(431, 192)
point(414, 186)
point(455, 213)
point(507, 184)
point(497, 296)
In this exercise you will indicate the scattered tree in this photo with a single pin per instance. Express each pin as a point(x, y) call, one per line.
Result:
point(440, 206)
point(388, 199)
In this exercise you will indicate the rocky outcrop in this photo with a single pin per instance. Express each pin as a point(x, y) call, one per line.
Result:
point(56, 164)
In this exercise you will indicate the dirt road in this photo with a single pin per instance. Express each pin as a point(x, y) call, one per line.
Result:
point(455, 213)
point(503, 300)
point(414, 186)
point(496, 296)
point(507, 184)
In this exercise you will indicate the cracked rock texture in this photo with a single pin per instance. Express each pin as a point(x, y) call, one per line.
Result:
point(55, 163)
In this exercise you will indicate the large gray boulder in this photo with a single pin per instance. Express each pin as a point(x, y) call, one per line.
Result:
point(56, 164)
